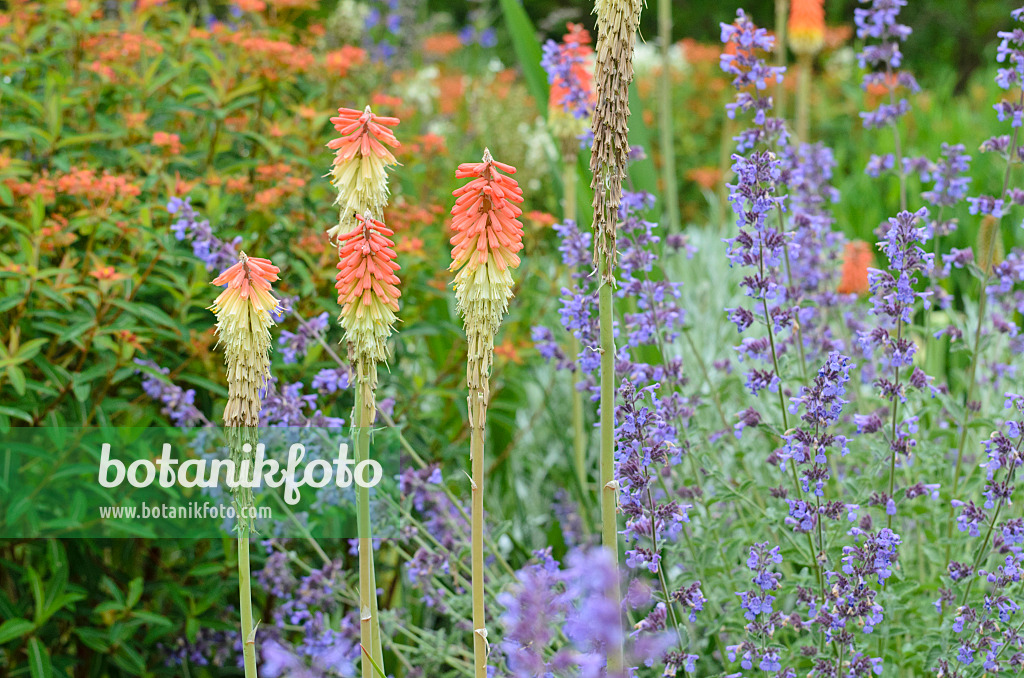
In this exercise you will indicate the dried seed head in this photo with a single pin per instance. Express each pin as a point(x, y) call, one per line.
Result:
point(617, 22)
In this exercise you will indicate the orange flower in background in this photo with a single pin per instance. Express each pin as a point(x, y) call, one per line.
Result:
point(129, 338)
point(432, 144)
point(807, 26)
point(857, 258)
point(250, 5)
point(172, 142)
point(441, 44)
point(273, 171)
point(837, 36)
point(341, 60)
point(271, 58)
point(367, 287)
point(699, 53)
point(509, 351)
point(706, 177)
point(135, 120)
point(412, 246)
point(451, 89)
point(540, 219)
point(56, 235)
point(106, 273)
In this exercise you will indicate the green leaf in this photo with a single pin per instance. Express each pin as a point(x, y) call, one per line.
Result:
point(14, 628)
point(39, 659)
point(17, 414)
point(134, 591)
point(528, 51)
point(17, 379)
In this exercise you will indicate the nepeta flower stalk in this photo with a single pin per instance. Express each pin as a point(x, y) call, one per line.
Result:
point(487, 237)
point(571, 104)
point(884, 58)
point(368, 294)
point(893, 300)
point(617, 22)
point(244, 320)
point(1010, 50)
point(361, 161)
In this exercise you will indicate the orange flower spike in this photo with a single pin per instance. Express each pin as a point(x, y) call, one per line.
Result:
point(361, 160)
point(487, 237)
point(244, 317)
point(367, 288)
point(807, 26)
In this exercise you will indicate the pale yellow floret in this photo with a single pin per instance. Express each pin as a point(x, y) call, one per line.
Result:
point(566, 127)
point(367, 328)
point(483, 293)
point(243, 328)
point(362, 186)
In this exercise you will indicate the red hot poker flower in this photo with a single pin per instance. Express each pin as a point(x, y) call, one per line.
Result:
point(368, 287)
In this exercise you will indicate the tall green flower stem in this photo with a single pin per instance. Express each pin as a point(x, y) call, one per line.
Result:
point(666, 137)
point(805, 69)
point(477, 371)
point(239, 437)
point(972, 371)
point(363, 415)
point(617, 22)
point(243, 328)
point(483, 264)
point(579, 438)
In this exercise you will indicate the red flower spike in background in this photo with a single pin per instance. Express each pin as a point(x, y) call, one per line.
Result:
point(367, 287)
point(807, 26)
point(857, 258)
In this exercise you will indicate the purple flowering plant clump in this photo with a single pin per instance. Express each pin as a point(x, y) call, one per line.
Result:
point(780, 436)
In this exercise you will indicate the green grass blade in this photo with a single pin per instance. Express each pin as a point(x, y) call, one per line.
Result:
point(528, 51)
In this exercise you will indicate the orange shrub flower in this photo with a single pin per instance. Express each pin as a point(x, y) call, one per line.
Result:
point(441, 44)
point(367, 288)
point(807, 26)
point(107, 273)
point(339, 61)
point(361, 161)
point(487, 236)
point(172, 142)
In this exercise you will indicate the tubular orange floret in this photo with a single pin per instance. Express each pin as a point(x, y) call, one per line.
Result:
point(485, 216)
point(487, 237)
point(807, 26)
point(244, 320)
point(367, 287)
point(361, 160)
